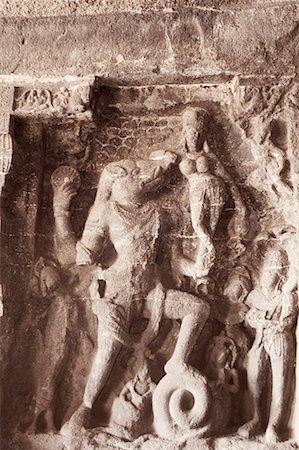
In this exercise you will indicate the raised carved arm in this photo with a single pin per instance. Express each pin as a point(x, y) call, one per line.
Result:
point(65, 182)
point(65, 239)
point(94, 234)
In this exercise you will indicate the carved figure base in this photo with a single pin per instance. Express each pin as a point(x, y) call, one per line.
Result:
point(99, 439)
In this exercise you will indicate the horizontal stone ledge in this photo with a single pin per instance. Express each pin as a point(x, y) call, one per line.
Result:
point(30, 81)
point(155, 46)
point(50, 8)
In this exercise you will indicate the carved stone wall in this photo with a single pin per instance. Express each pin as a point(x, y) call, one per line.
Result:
point(149, 230)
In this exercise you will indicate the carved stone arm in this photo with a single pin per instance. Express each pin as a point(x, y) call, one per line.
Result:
point(93, 235)
point(165, 158)
point(279, 326)
point(65, 239)
point(65, 182)
point(289, 314)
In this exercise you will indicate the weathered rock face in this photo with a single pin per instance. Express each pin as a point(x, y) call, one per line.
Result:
point(149, 228)
point(145, 46)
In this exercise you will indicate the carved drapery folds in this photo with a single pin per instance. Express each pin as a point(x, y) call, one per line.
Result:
point(164, 280)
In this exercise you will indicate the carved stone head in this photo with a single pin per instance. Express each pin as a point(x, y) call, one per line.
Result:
point(221, 352)
point(238, 285)
point(127, 182)
point(195, 125)
point(274, 270)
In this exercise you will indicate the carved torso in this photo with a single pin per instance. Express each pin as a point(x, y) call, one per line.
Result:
point(135, 236)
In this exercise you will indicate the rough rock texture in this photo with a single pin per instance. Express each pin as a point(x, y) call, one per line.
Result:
point(155, 47)
point(149, 175)
point(33, 8)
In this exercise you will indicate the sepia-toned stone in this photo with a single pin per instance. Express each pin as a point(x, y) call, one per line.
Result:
point(149, 225)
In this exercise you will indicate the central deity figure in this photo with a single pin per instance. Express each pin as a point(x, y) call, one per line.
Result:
point(126, 215)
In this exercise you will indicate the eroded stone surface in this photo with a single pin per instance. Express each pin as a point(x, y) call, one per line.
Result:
point(155, 46)
point(149, 225)
point(33, 8)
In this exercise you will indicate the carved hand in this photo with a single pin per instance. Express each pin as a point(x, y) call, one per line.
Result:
point(163, 155)
point(62, 197)
point(255, 318)
point(279, 326)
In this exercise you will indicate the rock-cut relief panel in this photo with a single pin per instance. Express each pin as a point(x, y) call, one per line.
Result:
point(172, 297)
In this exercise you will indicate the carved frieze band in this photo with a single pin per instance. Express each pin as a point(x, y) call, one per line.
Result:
point(54, 100)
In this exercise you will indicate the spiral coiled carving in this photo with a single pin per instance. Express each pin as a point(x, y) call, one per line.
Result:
point(182, 406)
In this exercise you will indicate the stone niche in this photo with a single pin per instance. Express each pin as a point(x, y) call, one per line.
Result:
point(149, 258)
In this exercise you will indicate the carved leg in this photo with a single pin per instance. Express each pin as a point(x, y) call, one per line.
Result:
point(205, 257)
point(206, 250)
point(113, 322)
point(282, 383)
point(50, 357)
point(194, 313)
point(107, 352)
point(257, 367)
point(206, 253)
point(101, 368)
point(215, 214)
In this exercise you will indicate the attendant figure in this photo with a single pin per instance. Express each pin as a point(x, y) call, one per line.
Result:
point(273, 313)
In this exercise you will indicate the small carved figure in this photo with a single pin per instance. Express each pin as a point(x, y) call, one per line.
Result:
point(67, 101)
point(27, 100)
point(273, 313)
point(46, 283)
point(231, 307)
point(195, 133)
point(131, 413)
point(255, 103)
point(35, 100)
point(79, 100)
point(61, 100)
point(221, 357)
point(46, 279)
point(271, 162)
point(207, 195)
point(131, 286)
point(256, 110)
point(43, 101)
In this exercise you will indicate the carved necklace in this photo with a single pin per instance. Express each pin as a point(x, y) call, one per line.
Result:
point(136, 217)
